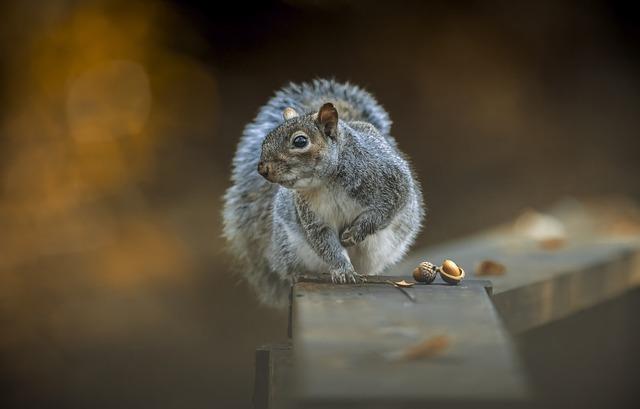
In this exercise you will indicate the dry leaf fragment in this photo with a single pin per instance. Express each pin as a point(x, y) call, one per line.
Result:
point(553, 243)
point(490, 268)
point(403, 284)
point(623, 228)
point(426, 349)
point(401, 287)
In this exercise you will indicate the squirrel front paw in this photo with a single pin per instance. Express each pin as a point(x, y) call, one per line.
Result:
point(348, 238)
point(346, 276)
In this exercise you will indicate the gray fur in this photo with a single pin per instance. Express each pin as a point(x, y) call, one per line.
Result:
point(347, 204)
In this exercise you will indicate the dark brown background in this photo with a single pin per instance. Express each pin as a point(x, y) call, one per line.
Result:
point(120, 119)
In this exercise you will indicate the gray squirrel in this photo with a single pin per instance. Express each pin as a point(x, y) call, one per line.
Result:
point(319, 186)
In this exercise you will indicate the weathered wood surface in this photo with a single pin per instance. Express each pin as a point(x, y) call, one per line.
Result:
point(595, 261)
point(272, 376)
point(349, 342)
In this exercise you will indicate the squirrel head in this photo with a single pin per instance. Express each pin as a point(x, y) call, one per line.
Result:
point(303, 150)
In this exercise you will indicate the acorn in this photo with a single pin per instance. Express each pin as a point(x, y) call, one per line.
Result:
point(425, 272)
point(450, 272)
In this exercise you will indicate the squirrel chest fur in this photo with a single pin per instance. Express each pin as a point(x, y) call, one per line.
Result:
point(319, 189)
point(333, 206)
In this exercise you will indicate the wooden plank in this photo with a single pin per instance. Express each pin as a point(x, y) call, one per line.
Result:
point(539, 286)
point(349, 333)
point(272, 376)
point(262, 380)
point(548, 300)
point(350, 343)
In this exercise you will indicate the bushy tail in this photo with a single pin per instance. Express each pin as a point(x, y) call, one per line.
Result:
point(352, 102)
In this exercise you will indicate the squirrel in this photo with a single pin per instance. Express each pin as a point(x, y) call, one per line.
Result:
point(319, 186)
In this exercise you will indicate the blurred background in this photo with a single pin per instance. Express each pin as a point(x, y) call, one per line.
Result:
point(119, 120)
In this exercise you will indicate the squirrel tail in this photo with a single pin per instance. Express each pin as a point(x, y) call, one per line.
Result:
point(352, 102)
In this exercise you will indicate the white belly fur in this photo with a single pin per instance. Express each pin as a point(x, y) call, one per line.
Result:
point(371, 257)
point(378, 251)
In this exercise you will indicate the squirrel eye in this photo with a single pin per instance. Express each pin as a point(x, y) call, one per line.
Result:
point(300, 141)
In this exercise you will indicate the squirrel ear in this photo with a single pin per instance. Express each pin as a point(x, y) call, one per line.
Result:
point(289, 113)
point(328, 120)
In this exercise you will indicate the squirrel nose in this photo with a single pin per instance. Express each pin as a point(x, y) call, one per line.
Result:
point(263, 169)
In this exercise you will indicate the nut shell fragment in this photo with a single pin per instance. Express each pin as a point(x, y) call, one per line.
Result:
point(425, 272)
